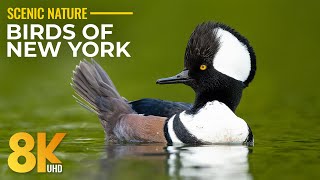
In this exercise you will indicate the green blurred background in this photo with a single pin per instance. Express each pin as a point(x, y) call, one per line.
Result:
point(281, 105)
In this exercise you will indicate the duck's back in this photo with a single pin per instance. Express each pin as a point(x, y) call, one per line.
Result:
point(214, 123)
point(157, 107)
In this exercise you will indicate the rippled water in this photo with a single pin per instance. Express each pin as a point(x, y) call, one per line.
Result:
point(176, 162)
point(287, 154)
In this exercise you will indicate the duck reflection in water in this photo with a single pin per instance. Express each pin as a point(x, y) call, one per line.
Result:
point(218, 162)
point(175, 162)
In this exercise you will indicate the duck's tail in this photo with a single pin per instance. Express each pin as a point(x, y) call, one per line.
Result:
point(96, 92)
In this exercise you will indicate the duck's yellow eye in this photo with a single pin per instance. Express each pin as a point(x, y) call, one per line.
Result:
point(203, 67)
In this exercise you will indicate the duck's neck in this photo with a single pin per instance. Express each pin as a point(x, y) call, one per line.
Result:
point(230, 96)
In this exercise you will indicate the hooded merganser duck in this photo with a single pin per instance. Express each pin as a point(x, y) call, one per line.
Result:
point(219, 64)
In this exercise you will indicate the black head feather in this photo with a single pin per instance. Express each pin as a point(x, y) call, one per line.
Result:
point(211, 84)
point(204, 44)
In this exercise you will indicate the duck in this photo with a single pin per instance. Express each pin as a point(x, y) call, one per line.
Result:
point(219, 63)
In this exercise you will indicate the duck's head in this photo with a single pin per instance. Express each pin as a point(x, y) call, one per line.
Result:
point(219, 63)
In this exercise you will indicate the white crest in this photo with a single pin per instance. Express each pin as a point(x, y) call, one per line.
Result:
point(233, 57)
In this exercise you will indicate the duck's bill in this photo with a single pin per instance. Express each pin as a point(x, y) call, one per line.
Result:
point(182, 77)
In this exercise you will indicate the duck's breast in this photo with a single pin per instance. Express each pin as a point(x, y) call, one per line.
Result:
point(214, 123)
